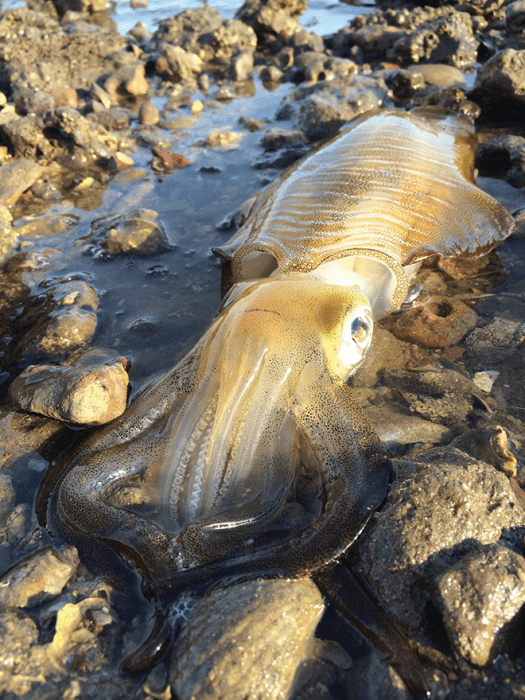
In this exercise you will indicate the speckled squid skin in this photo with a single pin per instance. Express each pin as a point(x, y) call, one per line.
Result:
point(246, 399)
point(215, 443)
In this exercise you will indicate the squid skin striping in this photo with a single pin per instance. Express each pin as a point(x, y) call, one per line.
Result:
point(218, 441)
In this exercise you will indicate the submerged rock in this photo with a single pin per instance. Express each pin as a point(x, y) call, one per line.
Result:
point(41, 576)
point(57, 321)
point(139, 232)
point(246, 640)
point(91, 395)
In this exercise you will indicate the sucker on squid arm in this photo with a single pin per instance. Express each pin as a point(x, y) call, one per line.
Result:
point(217, 443)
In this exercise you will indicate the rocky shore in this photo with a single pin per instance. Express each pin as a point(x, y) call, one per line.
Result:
point(119, 156)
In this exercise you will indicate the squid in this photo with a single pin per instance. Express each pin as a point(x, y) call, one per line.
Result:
point(203, 478)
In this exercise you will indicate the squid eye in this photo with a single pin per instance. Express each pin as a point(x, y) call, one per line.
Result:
point(356, 338)
point(361, 330)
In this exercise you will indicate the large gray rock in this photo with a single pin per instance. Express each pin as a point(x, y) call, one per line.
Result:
point(445, 505)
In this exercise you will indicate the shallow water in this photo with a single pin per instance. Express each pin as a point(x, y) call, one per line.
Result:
point(172, 297)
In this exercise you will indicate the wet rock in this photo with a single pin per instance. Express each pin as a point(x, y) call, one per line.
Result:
point(440, 322)
point(387, 354)
point(16, 178)
point(303, 41)
point(7, 497)
point(139, 232)
point(515, 17)
point(167, 160)
point(323, 673)
point(82, 395)
point(501, 79)
point(59, 133)
point(29, 439)
point(442, 397)
point(246, 640)
point(148, 114)
point(82, 6)
point(326, 107)
point(488, 444)
point(196, 39)
point(57, 321)
point(271, 18)
point(494, 343)
point(113, 119)
point(64, 97)
point(271, 73)
point(177, 64)
point(36, 52)
point(445, 505)
point(439, 74)
point(367, 43)
point(480, 598)
point(29, 101)
point(280, 159)
point(449, 39)
point(127, 80)
point(8, 236)
point(371, 677)
point(277, 138)
point(39, 577)
point(505, 152)
point(405, 84)
point(242, 65)
point(398, 430)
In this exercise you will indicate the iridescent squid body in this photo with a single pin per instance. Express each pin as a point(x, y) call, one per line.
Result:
point(218, 445)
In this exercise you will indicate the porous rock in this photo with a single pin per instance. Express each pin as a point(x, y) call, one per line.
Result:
point(445, 505)
point(440, 322)
point(501, 79)
point(246, 640)
point(60, 132)
point(448, 39)
point(195, 39)
point(327, 106)
point(82, 395)
point(480, 598)
point(271, 18)
point(494, 343)
point(36, 52)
